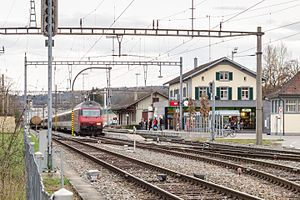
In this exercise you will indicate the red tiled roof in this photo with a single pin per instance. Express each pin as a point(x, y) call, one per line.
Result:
point(290, 88)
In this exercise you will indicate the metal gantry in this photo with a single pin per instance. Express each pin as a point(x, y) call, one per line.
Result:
point(114, 63)
point(120, 32)
point(127, 31)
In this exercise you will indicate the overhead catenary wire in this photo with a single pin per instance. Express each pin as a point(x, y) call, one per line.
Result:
point(227, 20)
point(115, 20)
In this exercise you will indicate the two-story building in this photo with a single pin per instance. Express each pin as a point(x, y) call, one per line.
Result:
point(235, 89)
point(285, 112)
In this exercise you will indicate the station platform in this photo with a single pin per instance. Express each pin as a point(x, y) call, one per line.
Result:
point(85, 190)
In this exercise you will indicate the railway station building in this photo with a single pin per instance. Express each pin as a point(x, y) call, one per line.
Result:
point(140, 109)
point(285, 112)
point(235, 91)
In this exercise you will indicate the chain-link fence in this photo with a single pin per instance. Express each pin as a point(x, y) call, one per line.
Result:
point(34, 185)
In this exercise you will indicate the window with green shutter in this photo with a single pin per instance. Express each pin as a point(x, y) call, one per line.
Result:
point(218, 92)
point(251, 93)
point(217, 76)
point(239, 93)
point(208, 93)
point(230, 76)
point(229, 93)
point(196, 93)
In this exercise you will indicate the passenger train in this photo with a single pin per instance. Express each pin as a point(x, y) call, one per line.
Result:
point(88, 119)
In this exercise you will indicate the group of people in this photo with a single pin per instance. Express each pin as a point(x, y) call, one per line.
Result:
point(152, 124)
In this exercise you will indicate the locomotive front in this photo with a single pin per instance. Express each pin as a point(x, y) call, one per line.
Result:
point(90, 119)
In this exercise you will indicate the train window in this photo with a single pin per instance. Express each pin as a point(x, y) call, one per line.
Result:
point(91, 113)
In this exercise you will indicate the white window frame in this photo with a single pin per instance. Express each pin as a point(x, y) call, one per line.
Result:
point(224, 76)
point(245, 93)
point(289, 104)
point(223, 93)
point(201, 90)
point(171, 94)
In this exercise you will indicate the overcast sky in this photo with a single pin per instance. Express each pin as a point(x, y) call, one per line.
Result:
point(175, 14)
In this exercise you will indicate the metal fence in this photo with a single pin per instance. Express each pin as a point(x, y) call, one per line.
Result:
point(34, 185)
point(198, 123)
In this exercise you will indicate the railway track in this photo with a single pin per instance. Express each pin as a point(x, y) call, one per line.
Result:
point(281, 175)
point(176, 185)
point(244, 151)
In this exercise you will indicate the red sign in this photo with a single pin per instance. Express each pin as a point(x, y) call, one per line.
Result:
point(174, 103)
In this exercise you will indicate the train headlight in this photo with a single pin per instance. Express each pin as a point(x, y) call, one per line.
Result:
point(98, 123)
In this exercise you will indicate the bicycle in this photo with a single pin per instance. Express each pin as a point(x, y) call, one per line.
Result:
point(229, 132)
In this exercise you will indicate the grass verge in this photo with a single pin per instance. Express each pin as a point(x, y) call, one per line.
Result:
point(35, 139)
point(12, 166)
point(247, 141)
point(52, 183)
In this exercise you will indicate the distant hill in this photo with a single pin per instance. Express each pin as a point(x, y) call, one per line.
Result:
point(119, 96)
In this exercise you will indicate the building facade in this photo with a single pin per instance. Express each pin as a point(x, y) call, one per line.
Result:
point(139, 110)
point(235, 89)
point(285, 111)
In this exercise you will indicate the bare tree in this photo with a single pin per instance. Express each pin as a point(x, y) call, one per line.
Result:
point(204, 108)
point(192, 110)
point(278, 68)
point(11, 147)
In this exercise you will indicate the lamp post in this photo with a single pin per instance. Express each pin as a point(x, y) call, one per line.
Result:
point(234, 51)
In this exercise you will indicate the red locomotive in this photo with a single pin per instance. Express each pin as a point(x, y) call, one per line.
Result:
point(88, 119)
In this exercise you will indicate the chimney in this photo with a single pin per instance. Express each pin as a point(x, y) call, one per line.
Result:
point(195, 62)
point(135, 98)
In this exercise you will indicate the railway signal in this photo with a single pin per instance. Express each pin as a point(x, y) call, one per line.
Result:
point(45, 17)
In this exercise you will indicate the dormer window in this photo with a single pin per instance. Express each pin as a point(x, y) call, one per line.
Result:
point(224, 76)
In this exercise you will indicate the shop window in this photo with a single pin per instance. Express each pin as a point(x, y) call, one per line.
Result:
point(298, 105)
point(290, 105)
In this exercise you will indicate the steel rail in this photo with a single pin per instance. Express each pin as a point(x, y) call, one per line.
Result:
point(251, 171)
point(222, 189)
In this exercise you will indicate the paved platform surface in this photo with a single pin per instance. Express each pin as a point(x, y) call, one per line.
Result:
point(84, 189)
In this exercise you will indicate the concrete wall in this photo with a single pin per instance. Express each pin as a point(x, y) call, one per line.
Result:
point(291, 124)
point(7, 124)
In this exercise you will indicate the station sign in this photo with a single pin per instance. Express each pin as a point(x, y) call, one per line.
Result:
point(174, 103)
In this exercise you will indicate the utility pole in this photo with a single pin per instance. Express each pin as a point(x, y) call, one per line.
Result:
point(3, 94)
point(193, 18)
point(180, 96)
point(234, 51)
point(259, 105)
point(213, 118)
point(83, 74)
point(137, 79)
point(2, 51)
point(25, 102)
point(32, 21)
